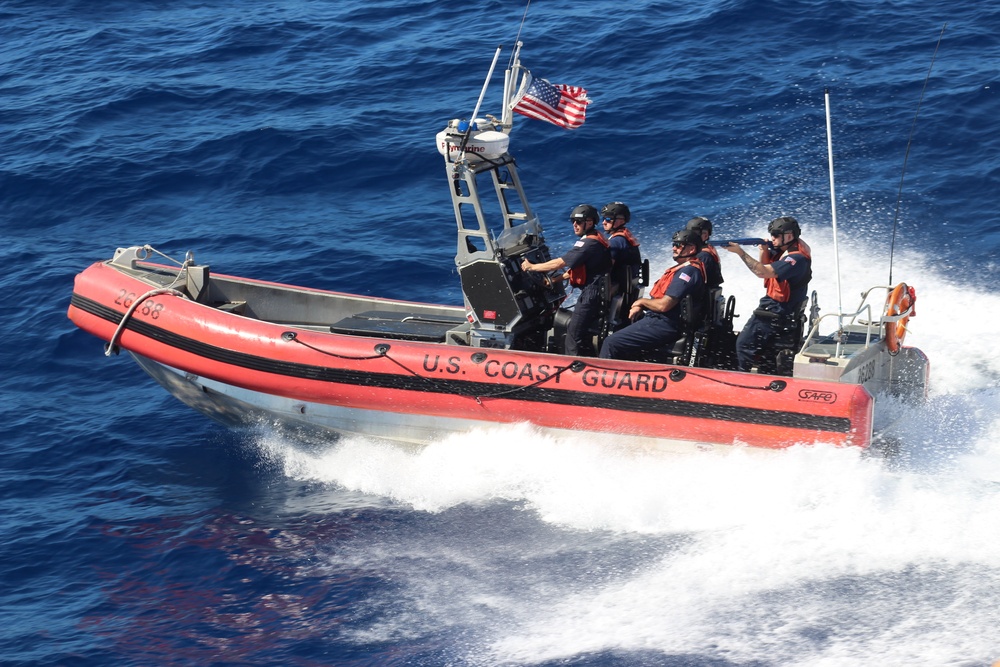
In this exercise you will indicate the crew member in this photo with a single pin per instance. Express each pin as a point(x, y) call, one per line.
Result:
point(623, 245)
point(786, 267)
point(587, 265)
point(708, 255)
point(661, 323)
point(626, 261)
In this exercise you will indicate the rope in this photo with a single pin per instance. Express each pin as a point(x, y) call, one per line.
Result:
point(575, 367)
point(769, 387)
point(773, 385)
point(189, 260)
point(382, 352)
point(291, 336)
point(112, 344)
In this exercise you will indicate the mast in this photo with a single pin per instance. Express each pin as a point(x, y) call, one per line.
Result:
point(510, 86)
point(504, 306)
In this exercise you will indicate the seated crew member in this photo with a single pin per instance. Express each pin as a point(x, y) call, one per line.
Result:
point(786, 267)
point(626, 260)
point(623, 245)
point(708, 255)
point(586, 263)
point(661, 324)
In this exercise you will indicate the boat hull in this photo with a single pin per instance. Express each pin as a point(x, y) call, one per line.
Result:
point(240, 369)
point(239, 408)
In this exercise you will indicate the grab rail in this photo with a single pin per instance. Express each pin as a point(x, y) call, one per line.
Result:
point(872, 326)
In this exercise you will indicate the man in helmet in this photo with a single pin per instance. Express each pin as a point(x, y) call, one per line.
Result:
point(587, 264)
point(626, 261)
point(708, 255)
point(623, 245)
point(661, 323)
point(786, 267)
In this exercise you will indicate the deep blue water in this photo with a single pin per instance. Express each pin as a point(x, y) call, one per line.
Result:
point(294, 141)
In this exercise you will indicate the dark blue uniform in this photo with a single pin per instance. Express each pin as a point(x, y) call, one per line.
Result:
point(624, 255)
point(591, 259)
point(794, 268)
point(626, 268)
point(657, 330)
point(713, 269)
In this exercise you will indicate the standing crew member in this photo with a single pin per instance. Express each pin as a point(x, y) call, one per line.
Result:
point(786, 267)
point(587, 265)
point(661, 324)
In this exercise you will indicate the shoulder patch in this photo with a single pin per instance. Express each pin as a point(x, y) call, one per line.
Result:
point(685, 277)
point(578, 244)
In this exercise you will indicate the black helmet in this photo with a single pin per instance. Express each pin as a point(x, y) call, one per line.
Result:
point(688, 237)
point(614, 209)
point(584, 212)
point(700, 224)
point(785, 223)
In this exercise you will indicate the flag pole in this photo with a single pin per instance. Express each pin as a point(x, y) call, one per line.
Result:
point(510, 87)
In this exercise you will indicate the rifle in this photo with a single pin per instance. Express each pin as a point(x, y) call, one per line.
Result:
point(746, 241)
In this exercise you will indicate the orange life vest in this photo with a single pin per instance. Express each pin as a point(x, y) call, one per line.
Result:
point(578, 274)
point(622, 231)
point(780, 290)
point(661, 285)
point(711, 251)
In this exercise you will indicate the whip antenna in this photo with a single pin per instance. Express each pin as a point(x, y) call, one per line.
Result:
point(513, 55)
point(510, 78)
point(482, 93)
point(472, 122)
point(833, 204)
point(899, 196)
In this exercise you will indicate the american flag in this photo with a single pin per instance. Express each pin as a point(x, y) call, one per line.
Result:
point(559, 104)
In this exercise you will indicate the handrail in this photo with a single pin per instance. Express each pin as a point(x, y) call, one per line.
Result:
point(871, 325)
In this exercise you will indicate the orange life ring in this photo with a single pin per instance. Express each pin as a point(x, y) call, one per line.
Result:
point(900, 300)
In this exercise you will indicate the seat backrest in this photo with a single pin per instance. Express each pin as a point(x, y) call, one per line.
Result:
point(692, 320)
point(692, 312)
point(621, 300)
point(714, 308)
point(788, 330)
point(800, 323)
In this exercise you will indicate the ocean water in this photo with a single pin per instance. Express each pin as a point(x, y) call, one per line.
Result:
point(294, 141)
